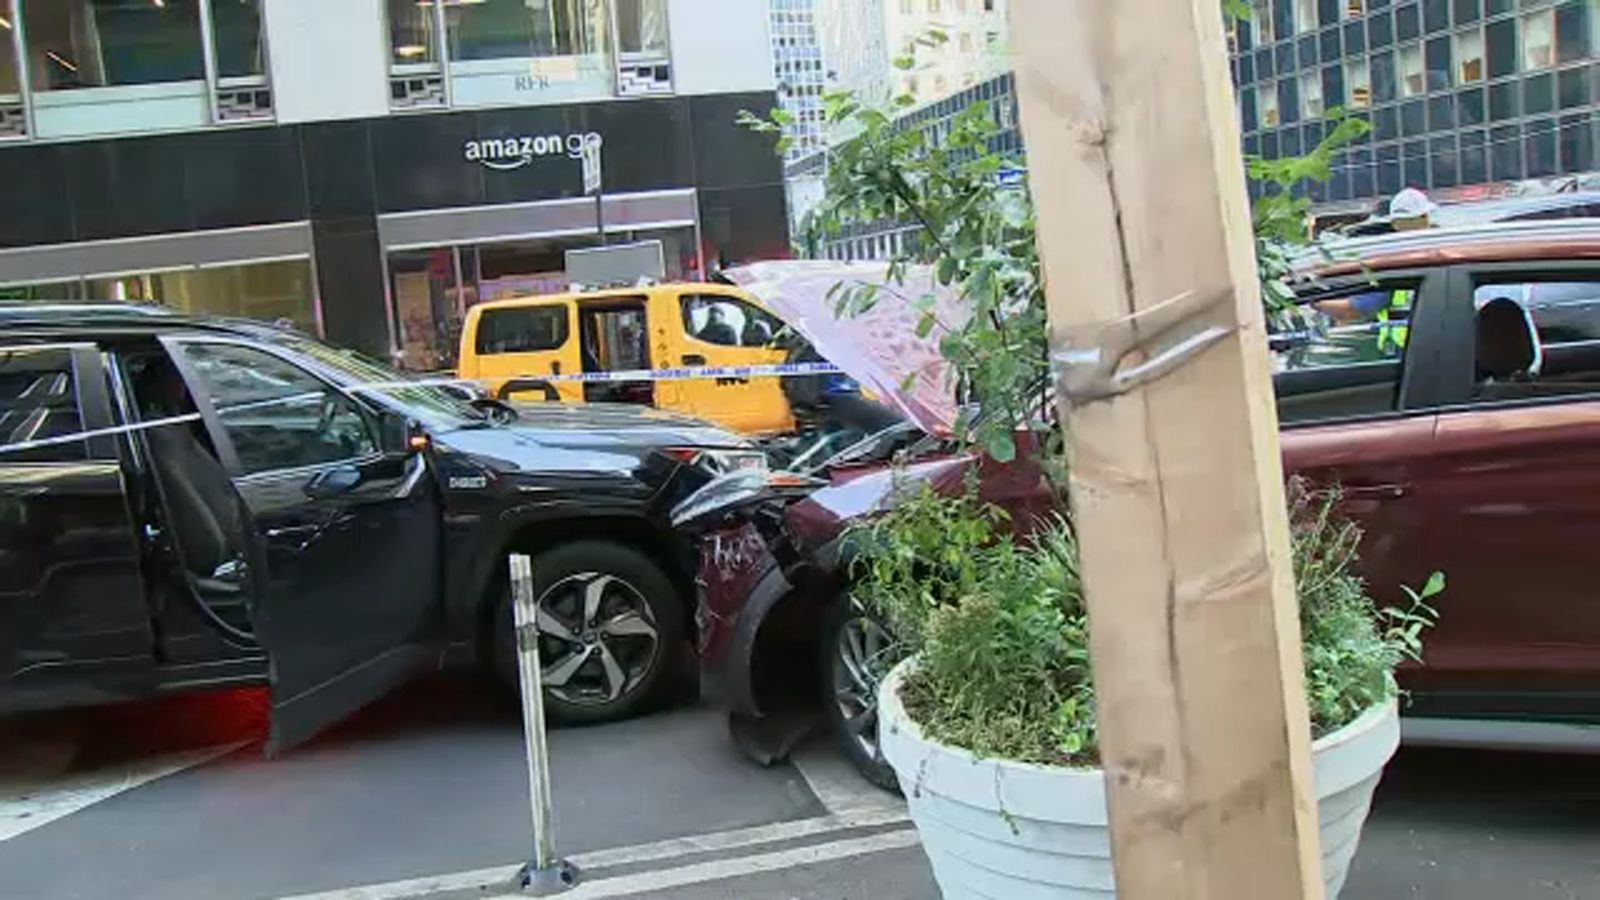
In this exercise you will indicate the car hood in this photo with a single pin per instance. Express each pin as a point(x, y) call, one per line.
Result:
point(601, 424)
point(880, 347)
point(591, 438)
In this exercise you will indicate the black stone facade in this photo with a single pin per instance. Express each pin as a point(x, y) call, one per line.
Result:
point(341, 175)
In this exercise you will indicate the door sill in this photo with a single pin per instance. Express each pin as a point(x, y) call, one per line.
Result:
point(1501, 734)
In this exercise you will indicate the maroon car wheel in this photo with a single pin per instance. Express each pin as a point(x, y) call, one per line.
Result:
point(857, 652)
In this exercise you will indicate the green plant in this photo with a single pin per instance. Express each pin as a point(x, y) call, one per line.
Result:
point(977, 236)
point(1351, 646)
point(999, 627)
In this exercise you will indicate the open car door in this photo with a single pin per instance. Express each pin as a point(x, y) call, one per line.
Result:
point(329, 530)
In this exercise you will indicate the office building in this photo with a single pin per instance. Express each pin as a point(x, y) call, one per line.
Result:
point(797, 67)
point(862, 38)
point(371, 168)
point(1467, 98)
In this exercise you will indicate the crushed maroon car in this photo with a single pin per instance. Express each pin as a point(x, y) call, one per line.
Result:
point(1449, 382)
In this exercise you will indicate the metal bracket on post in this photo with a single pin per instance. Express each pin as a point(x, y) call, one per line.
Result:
point(1169, 334)
point(547, 873)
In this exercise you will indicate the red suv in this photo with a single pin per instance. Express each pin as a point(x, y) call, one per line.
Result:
point(1449, 380)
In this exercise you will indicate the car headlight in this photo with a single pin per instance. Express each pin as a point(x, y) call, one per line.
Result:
point(721, 462)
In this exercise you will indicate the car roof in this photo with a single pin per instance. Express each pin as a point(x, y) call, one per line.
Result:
point(619, 293)
point(1496, 242)
point(65, 319)
point(1515, 208)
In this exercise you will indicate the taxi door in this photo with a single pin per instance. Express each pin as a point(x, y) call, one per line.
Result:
point(710, 325)
point(504, 344)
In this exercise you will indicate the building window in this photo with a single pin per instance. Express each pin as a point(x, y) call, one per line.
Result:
point(1438, 61)
point(1413, 74)
point(1469, 56)
point(641, 25)
point(1501, 40)
point(236, 33)
point(1267, 105)
point(510, 29)
point(412, 34)
point(1354, 9)
point(1577, 31)
point(1265, 32)
point(1311, 106)
point(1383, 77)
point(269, 291)
point(100, 43)
point(1358, 83)
point(1305, 15)
point(1538, 40)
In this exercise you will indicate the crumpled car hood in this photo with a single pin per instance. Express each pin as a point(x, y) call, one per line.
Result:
point(879, 348)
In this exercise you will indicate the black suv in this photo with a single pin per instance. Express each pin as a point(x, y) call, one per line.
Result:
point(192, 503)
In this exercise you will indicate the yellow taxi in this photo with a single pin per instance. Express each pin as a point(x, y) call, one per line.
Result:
point(511, 345)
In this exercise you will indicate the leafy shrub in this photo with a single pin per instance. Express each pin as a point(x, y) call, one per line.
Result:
point(1351, 646)
point(1001, 633)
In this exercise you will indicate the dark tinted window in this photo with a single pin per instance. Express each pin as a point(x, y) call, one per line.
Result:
point(276, 415)
point(1561, 318)
point(38, 401)
point(1344, 357)
point(523, 330)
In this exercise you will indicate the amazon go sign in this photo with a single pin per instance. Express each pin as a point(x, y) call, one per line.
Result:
point(514, 152)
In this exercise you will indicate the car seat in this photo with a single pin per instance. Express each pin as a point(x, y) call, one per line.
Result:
point(1508, 350)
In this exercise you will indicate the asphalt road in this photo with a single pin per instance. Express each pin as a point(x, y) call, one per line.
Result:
point(171, 800)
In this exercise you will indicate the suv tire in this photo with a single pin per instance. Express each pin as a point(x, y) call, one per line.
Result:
point(601, 667)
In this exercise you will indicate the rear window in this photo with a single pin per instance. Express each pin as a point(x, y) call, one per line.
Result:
point(527, 329)
point(38, 401)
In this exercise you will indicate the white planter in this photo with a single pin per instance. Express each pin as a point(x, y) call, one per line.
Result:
point(1011, 831)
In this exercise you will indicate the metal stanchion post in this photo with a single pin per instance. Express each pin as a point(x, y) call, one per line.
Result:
point(547, 873)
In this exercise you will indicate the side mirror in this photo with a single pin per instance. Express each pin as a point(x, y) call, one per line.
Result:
point(397, 434)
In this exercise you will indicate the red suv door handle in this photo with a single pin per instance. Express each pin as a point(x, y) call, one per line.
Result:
point(1377, 492)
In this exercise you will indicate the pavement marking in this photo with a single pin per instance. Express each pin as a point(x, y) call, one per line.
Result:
point(38, 800)
point(499, 876)
point(738, 867)
point(836, 783)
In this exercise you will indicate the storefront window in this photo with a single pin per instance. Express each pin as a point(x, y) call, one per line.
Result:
point(10, 84)
point(269, 291)
point(642, 27)
point(98, 43)
point(412, 34)
point(44, 292)
point(427, 311)
point(433, 288)
point(501, 29)
point(236, 27)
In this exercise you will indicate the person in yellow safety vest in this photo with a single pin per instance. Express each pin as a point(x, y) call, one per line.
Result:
point(1409, 210)
point(1394, 322)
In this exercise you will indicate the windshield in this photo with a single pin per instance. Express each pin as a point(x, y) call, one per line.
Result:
point(365, 375)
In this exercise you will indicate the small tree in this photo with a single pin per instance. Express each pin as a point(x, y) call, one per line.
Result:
point(943, 186)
